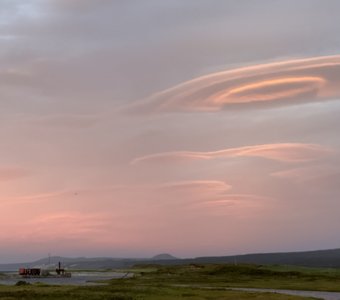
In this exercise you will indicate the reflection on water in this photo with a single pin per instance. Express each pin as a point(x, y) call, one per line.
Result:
point(78, 278)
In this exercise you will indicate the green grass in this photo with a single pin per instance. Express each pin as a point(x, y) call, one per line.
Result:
point(256, 276)
point(192, 282)
point(131, 292)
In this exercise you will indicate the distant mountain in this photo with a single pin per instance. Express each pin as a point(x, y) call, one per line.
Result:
point(164, 256)
point(81, 263)
point(319, 258)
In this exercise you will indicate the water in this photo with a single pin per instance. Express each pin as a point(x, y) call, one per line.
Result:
point(78, 278)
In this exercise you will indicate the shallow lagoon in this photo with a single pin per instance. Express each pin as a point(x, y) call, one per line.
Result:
point(78, 278)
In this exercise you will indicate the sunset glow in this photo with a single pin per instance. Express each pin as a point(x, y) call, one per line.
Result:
point(133, 128)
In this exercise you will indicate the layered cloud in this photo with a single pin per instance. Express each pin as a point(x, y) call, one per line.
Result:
point(288, 152)
point(285, 83)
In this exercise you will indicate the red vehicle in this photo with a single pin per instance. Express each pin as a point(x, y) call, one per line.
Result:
point(29, 272)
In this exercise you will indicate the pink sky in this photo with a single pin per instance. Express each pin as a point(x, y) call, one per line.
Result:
point(132, 128)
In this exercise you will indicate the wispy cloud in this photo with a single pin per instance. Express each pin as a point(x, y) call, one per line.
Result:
point(306, 173)
point(288, 152)
point(65, 121)
point(62, 194)
point(287, 82)
point(12, 173)
point(64, 225)
point(75, 224)
point(237, 199)
point(36, 198)
point(14, 77)
point(196, 187)
point(235, 205)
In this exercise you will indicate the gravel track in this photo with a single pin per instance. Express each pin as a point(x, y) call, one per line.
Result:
point(315, 294)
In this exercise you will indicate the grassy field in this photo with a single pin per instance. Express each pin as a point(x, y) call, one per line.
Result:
point(192, 282)
point(255, 276)
point(124, 291)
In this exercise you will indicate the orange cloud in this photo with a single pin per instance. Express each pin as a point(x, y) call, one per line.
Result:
point(300, 80)
point(288, 152)
point(282, 88)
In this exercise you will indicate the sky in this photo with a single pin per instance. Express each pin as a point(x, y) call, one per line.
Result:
point(133, 128)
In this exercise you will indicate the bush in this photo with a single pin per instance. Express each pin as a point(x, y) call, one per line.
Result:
point(22, 282)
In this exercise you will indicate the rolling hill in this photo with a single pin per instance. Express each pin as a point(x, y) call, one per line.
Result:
point(319, 258)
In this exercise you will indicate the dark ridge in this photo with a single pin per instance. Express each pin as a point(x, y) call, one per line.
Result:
point(164, 256)
point(319, 258)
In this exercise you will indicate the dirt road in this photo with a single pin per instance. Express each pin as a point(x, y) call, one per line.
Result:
point(315, 294)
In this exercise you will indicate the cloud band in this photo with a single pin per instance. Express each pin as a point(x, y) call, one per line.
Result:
point(288, 152)
point(287, 82)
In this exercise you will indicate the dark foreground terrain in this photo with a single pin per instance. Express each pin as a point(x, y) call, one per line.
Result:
point(193, 282)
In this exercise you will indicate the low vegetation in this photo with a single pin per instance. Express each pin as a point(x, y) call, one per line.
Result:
point(254, 276)
point(192, 282)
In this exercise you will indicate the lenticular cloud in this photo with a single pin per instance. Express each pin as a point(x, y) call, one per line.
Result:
point(279, 83)
point(286, 152)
